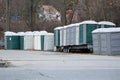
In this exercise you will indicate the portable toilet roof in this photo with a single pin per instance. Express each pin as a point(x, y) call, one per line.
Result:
point(50, 34)
point(21, 33)
point(104, 30)
point(29, 33)
point(8, 33)
point(89, 22)
point(71, 25)
point(57, 28)
point(78, 23)
point(36, 33)
point(106, 23)
point(66, 26)
point(43, 32)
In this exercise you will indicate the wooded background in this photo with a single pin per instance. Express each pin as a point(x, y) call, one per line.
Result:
point(79, 10)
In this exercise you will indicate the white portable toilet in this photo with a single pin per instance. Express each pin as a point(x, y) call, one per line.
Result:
point(28, 41)
point(64, 35)
point(49, 42)
point(106, 41)
point(37, 41)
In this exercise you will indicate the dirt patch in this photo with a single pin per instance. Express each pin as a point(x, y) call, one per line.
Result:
point(4, 63)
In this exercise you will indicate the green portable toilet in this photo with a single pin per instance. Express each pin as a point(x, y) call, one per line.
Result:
point(106, 24)
point(42, 39)
point(21, 35)
point(57, 37)
point(85, 32)
point(12, 40)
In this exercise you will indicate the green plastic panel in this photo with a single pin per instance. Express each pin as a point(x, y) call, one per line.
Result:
point(42, 42)
point(81, 34)
point(90, 28)
point(58, 38)
point(13, 42)
point(21, 42)
point(54, 38)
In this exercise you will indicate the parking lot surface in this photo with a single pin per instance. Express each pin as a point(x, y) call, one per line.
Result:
point(39, 65)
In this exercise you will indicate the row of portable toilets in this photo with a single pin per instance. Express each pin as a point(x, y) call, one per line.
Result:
point(78, 33)
point(37, 40)
point(103, 36)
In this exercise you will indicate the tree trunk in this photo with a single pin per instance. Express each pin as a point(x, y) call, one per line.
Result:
point(8, 14)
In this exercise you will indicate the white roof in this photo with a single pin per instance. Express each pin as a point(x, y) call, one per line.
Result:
point(50, 34)
point(103, 30)
point(36, 33)
point(57, 28)
point(21, 33)
point(43, 32)
point(106, 23)
point(71, 25)
point(65, 26)
point(77, 24)
point(9, 33)
point(89, 22)
point(28, 33)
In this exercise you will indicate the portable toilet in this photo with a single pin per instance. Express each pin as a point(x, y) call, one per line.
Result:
point(42, 39)
point(74, 34)
point(57, 37)
point(28, 41)
point(106, 41)
point(106, 24)
point(21, 36)
point(11, 40)
point(85, 32)
point(64, 35)
point(49, 42)
point(37, 40)
point(68, 34)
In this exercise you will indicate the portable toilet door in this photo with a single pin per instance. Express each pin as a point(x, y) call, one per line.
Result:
point(42, 42)
point(57, 36)
point(21, 35)
point(85, 29)
point(28, 41)
point(49, 42)
point(42, 39)
point(106, 24)
point(12, 40)
point(37, 40)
